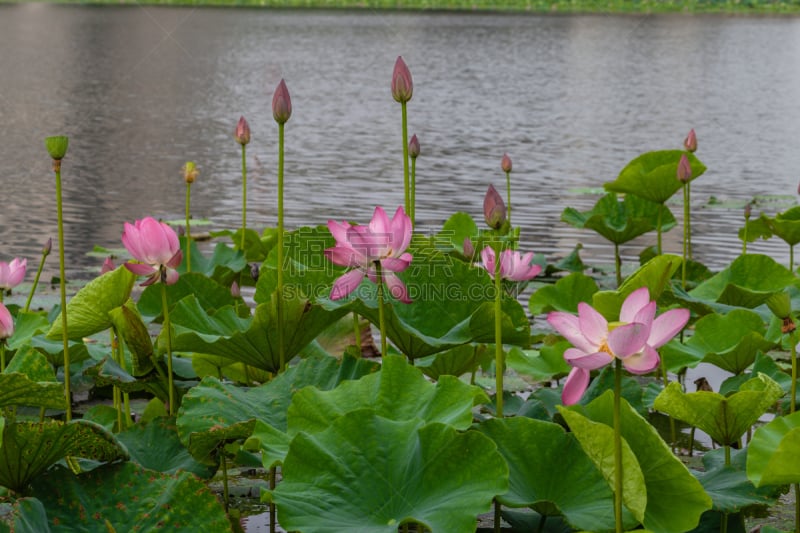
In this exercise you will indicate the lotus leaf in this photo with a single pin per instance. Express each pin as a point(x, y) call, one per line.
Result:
point(652, 175)
point(773, 452)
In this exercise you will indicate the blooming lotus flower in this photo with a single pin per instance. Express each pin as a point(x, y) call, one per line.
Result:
point(384, 240)
point(684, 173)
point(242, 133)
point(281, 103)
point(155, 245)
point(402, 84)
point(12, 274)
point(690, 143)
point(494, 208)
point(6, 323)
point(513, 266)
point(505, 163)
point(413, 147)
point(634, 339)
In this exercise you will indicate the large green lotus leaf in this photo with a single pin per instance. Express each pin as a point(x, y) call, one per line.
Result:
point(25, 515)
point(564, 295)
point(29, 448)
point(763, 364)
point(26, 325)
point(19, 389)
point(786, 225)
point(725, 419)
point(730, 341)
point(33, 364)
point(454, 362)
point(620, 221)
point(675, 499)
point(655, 275)
point(748, 282)
point(369, 473)
point(213, 412)
point(541, 365)
point(398, 392)
point(127, 497)
point(653, 175)
point(456, 229)
point(53, 350)
point(209, 294)
point(87, 311)
point(728, 485)
point(597, 441)
point(773, 453)
point(130, 326)
point(155, 445)
point(531, 448)
point(755, 229)
point(223, 265)
point(108, 372)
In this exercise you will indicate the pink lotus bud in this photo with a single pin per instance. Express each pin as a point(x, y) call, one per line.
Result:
point(469, 249)
point(494, 209)
point(690, 143)
point(108, 266)
point(6, 323)
point(281, 104)
point(505, 163)
point(48, 246)
point(235, 290)
point(242, 133)
point(413, 147)
point(190, 172)
point(747, 211)
point(402, 84)
point(684, 169)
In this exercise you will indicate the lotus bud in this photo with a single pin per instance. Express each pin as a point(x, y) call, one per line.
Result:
point(6, 323)
point(690, 143)
point(190, 172)
point(236, 292)
point(281, 103)
point(780, 304)
point(505, 163)
point(242, 133)
point(108, 266)
point(469, 249)
point(402, 84)
point(494, 209)
point(413, 147)
point(57, 147)
point(748, 210)
point(48, 247)
point(684, 169)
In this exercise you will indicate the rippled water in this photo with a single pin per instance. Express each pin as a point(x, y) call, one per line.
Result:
point(141, 90)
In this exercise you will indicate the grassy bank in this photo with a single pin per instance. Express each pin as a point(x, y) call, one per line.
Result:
point(531, 6)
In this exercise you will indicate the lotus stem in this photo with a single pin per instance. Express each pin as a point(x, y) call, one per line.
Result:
point(63, 286)
point(727, 455)
point(723, 523)
point(791, 258)
point(508, 196)
point(126, 401)
point(686, 234)
point(498, 336)
point(542, 520)
point(406, 188)
point(658, 228)
point(618, 445)
point(273, 473)
point(45, 253)
point(497, 518)
point(793, 391)
point(117, 398)
point(688, 218)
point(357, 331)
point(244, 194)
point(188, 230)
point(224, 463)
point(381, 312)
point(167, 328)
point(618, 264)
point(281, 351)
point(796, 488)
point(413, 192)
point(672, 429)
point(2, 355)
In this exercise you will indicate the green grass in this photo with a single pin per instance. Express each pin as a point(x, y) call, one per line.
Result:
point(758, 7)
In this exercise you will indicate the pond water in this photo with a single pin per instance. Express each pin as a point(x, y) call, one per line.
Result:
point(140, 90)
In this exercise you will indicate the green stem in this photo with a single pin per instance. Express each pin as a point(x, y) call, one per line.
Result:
point(36, 280)
point(618, 264)
point(796, 488)
point(357, 331)
point(281, 351)
point(497, 517)
point(126, 400)
point(723, 523)
point(727, 455)
point(791, 258)
point(542, 520)
point(686, 234)
point(381, 313)
point(508, 196)
point(117, 398)
point(688, 217)
point(793, 391)
point(188, 231)
point(406, 189)
point(63, 284)
point(244, 194)
point(498, 335)
point(167, 328)
point(618, 445)
point(224, 464)
point(673, 430)
point(413, 193)
point(658, 228)
point(273, 473)
point(2, 355)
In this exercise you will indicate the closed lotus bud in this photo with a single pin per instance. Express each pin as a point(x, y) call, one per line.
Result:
point(494, 209)
point(190, 172)
point(690, 143)
point(6, 323)
point(469, 248)
point(684, 169)
point(108, 266)
point(57, 147)
point(402, 84)
point(48, 246)
point(413, 147)
point(505, 163)
point(242, 133)
point(281, 104)
point(236, 292)
point(747, 211)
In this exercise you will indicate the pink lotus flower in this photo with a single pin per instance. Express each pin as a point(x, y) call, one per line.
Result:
point(281, 103)
point(634, 339)
point(513, 266)
point(155, 245)
point(6, 323)
point(690, 143)
point(361, 247)
point(402, 84)
point(12, 274)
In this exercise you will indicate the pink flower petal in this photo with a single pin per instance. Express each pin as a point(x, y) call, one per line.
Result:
point(633, 303)
point(666, 326)
point(346, 283)
point(487, 256)
point(6, 322)
point(646, 314)
point(593, 325)
point(345, 256)
point(339, 231)
point(171, 276)
point(402, 231)
point(589, 361)
point(141, 269)
point(176, 260)
point(395, 264)
point(396, 288)
point(568, 326)
point(628, 339)
point(380, 223)
point(643, 362)
point(575, 386)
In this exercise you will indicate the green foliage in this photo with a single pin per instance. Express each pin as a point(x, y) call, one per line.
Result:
point(773, 452)
point(728, 485)
point(652, 175)
point(564, 295)
point(749, 281)
point(540, 365)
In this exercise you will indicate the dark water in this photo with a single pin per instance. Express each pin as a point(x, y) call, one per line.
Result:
point(141, 90)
